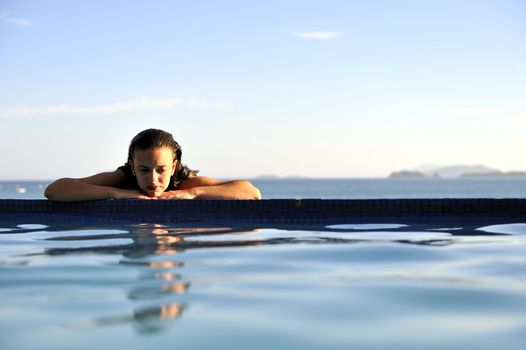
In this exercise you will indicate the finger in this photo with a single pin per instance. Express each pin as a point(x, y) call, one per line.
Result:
point(145, 197)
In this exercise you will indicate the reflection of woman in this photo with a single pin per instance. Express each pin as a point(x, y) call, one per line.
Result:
point(146, 320)
point(153, 171)
point(152, 255)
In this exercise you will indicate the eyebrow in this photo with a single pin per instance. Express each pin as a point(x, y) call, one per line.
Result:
point(157, 166)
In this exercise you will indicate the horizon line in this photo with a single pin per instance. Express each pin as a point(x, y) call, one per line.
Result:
point(281, 178)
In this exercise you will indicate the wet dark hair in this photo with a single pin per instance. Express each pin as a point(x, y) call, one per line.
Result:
point(156, 138)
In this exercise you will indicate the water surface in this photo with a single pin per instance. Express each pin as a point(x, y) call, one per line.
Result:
point(367, 286)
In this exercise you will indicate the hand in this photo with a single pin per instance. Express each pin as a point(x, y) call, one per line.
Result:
point(118, 193)
point(177, 194)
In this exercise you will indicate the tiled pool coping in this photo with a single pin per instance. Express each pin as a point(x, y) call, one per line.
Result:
point(264, 212)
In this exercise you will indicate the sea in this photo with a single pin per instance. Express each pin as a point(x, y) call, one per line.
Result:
point(363, 286)
point(513, 187)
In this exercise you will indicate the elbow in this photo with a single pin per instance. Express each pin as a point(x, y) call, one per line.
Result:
point(49, 192)
point(256, 193)
point(251, 190)
point(52, 191)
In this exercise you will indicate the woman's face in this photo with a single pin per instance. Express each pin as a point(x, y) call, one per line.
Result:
point(153, 168)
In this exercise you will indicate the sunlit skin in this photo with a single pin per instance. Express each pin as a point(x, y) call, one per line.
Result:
point(170, 311)
point(153, 169)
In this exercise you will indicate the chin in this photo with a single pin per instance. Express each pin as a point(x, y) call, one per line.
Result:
point(157, 194)
point(151, 193)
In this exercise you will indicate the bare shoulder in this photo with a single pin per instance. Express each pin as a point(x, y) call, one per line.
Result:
point(198, 181)
point(110, 178)
point(212, 188)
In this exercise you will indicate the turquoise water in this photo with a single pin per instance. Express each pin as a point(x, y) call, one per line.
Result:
point(372, 286)
point(351, 286)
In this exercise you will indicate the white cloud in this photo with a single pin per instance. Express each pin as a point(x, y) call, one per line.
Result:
point(117, 107)
point(6, 17)
point(316, 35)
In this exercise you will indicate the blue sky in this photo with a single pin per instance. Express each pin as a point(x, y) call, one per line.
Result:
point(310, 88)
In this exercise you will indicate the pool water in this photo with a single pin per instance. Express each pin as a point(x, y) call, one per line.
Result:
point(365, 286)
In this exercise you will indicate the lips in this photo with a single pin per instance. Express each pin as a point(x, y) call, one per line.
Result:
point(153, 188)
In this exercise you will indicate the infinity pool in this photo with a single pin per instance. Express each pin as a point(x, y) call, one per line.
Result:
point(364, 286)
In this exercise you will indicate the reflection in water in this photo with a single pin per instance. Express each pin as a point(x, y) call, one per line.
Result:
point(144, 320)
point(156, 252)
point(510, 229)
point(153, 319)
point(154, 242)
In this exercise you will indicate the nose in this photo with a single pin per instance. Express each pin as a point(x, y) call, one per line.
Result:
point(152, 176)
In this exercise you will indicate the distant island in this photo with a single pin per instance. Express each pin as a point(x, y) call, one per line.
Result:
point(455, 171)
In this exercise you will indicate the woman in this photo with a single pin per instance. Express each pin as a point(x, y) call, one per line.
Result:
point(153, 171)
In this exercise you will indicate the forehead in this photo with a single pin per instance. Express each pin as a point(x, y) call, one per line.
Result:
point(153, 156)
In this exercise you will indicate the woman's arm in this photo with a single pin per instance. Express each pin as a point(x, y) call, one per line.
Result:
point(202, 187)
point(100, 186)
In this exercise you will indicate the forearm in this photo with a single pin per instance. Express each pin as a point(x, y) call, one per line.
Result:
point(238, 189)
point(67, 190)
